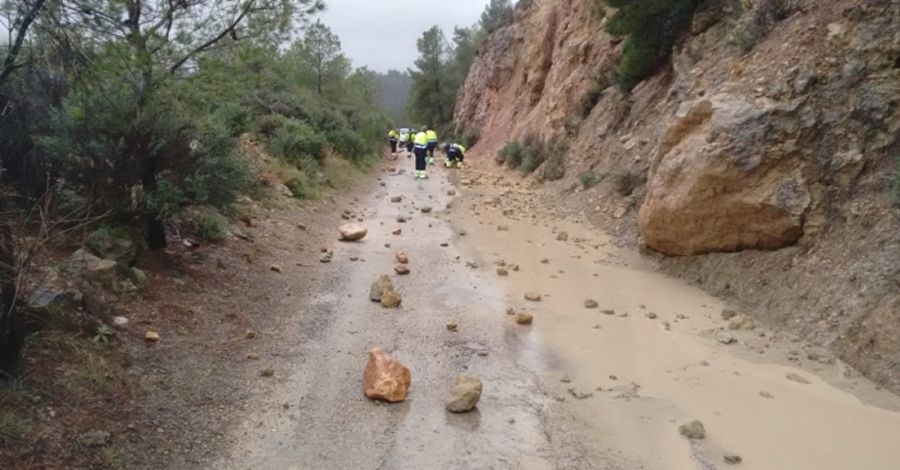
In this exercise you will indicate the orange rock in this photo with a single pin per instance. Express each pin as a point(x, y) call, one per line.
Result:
point(385, 378)
point(402, 258)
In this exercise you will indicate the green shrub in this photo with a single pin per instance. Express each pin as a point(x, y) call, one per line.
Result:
point(588, 179)
point(234, 117)
point(303, 187)
point(348, 144)
point(294, 140)
point(218, 173)
point(555, 166)
point(533, 154)
point(627, 183)
point(650, 29)
point(762, 19)
point(511, 154)
point(592, 95)
point(470, 138)
point(210, 227)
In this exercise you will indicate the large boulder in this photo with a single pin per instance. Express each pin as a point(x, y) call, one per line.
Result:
point(385, 378)
point(728, 175)
point(465, 394)
point(352, 232)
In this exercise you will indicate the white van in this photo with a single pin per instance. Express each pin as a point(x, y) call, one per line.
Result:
point(404, 131)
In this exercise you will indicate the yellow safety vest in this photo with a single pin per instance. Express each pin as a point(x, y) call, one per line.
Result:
point(421, 141)
point(432, 136)
point(393, 135)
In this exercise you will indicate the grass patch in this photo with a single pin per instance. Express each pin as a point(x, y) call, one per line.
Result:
point(210, 227)
point(588, 179)
point(13, 427)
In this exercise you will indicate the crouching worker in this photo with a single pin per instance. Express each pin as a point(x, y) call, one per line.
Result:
point(454, 155)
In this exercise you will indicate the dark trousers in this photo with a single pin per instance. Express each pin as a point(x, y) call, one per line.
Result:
point(420, 159)
point(393, 146)
point(409, 146)
point(455, 155)
point(430, 148)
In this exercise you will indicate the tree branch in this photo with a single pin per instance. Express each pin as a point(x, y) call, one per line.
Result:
point(244, 12)
point(9, 65)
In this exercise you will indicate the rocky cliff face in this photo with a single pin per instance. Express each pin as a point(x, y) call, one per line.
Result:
point(769, 168)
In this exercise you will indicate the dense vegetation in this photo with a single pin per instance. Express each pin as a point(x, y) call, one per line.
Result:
point(118, 115)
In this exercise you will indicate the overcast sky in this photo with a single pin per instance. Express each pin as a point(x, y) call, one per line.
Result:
point(382, 34)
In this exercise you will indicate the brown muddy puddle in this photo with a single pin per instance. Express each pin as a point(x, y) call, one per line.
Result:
point(639, 380)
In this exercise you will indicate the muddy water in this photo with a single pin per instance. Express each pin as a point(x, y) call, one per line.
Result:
point(647, 378)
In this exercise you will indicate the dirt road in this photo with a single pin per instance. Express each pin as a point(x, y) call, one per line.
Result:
point(601, 388)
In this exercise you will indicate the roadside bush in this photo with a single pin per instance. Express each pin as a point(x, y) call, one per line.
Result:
point(555, 166)
point(470, 138)
point(511, 154)
point(348, 144)
point(234, 117)
point(303, 186)
point(210, 227)
point(533, 154)
point(588, 179)
point(650, 29)
point(293, 140)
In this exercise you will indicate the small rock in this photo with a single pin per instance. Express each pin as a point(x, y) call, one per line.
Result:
point(426, 210)
point(510, 311)
point(452, 326)
point(250, 334)
point(396, 199)
point(151, 336)
point(445, 245)
point(563, 236)
point(741, 322)
point(462, 233)
point(724, 338)
point(379, 287)
point(120, 321)
point(301, 227)
point(401, 219)
point(471, 264)
point(397, 231)
point(513, 267)
point(580, 395)
point(402, 258)
point(608, 312)
point(565, 379)
point(94, 439)
point(650, 315)
point(502, 272)
point(621, 314)
point(692, 430)
point(465, 394)
point(385, 378)
point(533, 296)
point(352, 232)
point(451, 192)
point(253, 356)
point(503, 228)
point(767, 395)
point(728, 314)
point(267, 372)
point(275, 268)
point(482, 353)
point(391, 299)
point(733, 459)
point(613, 377)
point(523, 318)
point(545, 261)
point(401, 269)
point(326, 257)
point(591, 304)
point(798, 378)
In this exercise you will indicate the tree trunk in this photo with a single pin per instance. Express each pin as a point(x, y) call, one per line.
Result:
point(12, 327)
